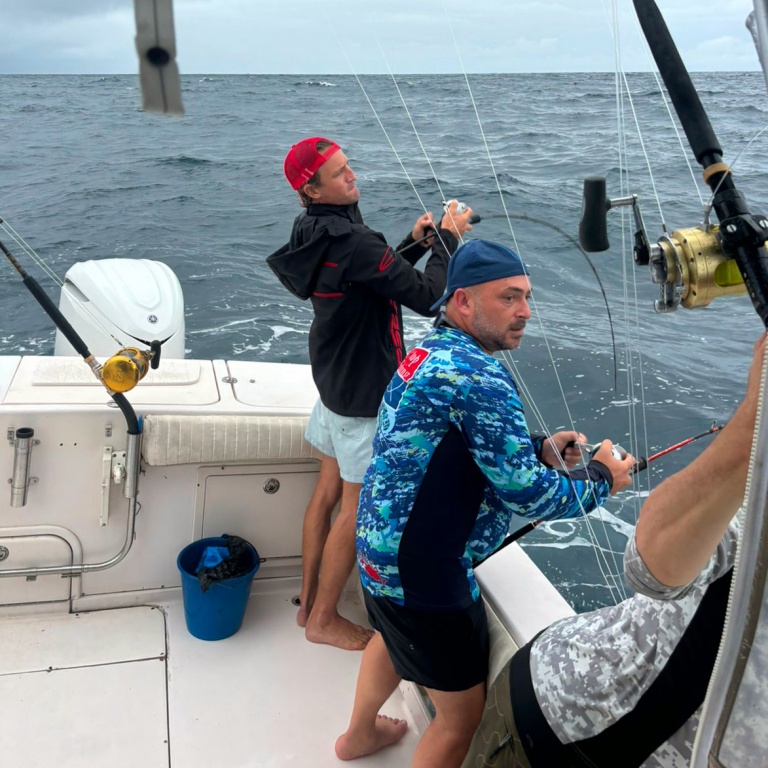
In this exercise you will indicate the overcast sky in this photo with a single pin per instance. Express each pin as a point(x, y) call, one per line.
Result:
point(365, 36)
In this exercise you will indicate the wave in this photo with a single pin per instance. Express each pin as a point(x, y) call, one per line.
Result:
point(646, 93)
point(180, 199)
point(185, 160)
point(317, 83)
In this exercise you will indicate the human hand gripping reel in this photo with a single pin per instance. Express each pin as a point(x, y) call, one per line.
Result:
point(461, 208)
point(429, 232)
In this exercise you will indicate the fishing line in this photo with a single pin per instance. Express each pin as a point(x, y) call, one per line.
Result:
point(584, 516)
point(629, 275)
point(33, 256)
point(631, 308)
point(615, 573)
point(498, 185)
point(27, 249)
point(504, 207)
point(685, 151)
point(443, 196)
point(480, 125)
point(621, 77)
point(614, 28)
point(624, 184)
point(511, 363)
point(384, 130)
point(603, 565)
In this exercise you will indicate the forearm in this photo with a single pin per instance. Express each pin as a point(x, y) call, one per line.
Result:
point(411, 250)
point(685, 517)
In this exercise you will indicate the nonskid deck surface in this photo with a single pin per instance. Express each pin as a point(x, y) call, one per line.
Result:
point(131, 687)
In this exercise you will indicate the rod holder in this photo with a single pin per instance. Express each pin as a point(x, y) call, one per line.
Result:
point(22, 454)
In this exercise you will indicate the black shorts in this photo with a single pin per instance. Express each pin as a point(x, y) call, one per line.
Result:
point(445, 651)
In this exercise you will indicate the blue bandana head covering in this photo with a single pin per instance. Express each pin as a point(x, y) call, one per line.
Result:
point(480, 261)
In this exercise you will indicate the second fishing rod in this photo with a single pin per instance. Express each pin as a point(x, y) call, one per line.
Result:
point(639, 466)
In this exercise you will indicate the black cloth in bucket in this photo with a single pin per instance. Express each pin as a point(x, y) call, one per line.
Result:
point(242, 559)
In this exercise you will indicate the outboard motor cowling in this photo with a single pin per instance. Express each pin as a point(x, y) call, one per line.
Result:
point(133, 300)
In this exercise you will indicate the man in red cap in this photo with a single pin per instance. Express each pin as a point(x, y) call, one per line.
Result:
point(357, 284)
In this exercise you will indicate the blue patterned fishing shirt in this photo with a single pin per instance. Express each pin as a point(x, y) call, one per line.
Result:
point(452, 460)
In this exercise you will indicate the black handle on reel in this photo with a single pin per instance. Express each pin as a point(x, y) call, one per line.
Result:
point(593, 228)
point(155, 347)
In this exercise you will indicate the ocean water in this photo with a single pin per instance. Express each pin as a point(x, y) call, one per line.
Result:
point(86, 175)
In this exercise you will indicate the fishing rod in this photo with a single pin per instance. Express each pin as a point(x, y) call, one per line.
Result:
point(120, 373)
point(643, 462)
point(639, 466)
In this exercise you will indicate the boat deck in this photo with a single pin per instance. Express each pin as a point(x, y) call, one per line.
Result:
point(131, 686)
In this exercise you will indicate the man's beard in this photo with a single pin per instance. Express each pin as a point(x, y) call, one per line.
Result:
point(491, 338)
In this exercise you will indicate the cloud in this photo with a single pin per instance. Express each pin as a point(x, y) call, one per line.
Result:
point(90, 41)
point(51, 10)
point(298, 36)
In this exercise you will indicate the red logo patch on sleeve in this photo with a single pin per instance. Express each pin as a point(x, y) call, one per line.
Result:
point(387, 260)
point(369, 570)
point(410, 365)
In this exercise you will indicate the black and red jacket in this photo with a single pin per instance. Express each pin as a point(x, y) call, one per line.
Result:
point(357, 283)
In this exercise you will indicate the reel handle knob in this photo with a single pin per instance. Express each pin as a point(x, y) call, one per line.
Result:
point(461, 207)
point(155, 347)
point(593, 229)
point(618, 452)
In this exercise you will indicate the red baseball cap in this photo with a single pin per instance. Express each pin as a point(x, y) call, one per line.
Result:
point(303, 160)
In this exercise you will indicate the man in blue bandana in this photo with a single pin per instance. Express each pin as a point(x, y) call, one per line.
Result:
point(452, 461)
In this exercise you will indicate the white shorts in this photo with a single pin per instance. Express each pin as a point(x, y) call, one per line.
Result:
point(348, 439)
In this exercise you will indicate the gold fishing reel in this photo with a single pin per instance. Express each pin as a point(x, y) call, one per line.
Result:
point(692, 266)
point(124, 370)
point(693, 269)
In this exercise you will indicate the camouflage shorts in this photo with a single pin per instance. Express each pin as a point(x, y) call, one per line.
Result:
point(496, 743)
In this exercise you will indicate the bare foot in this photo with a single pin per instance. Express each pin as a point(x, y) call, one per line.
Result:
point(305, 608)
point(388, 730)
point(337, 631)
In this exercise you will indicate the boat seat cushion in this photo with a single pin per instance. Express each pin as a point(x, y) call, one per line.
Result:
point(170, 440)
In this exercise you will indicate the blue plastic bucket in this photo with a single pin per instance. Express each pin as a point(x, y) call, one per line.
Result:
point(218, 612)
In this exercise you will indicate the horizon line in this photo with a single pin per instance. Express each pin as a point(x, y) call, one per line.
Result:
point(375, 74)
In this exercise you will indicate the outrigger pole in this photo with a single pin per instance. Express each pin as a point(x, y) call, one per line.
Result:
point(639, 467)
